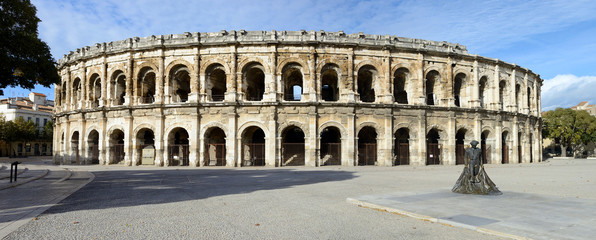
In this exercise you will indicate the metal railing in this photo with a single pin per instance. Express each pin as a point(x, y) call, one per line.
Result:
point(215, 154)
point(433, 154)
point(403, 154)
point(178, 155)
point(117, 153)
point(292, 154)
point(330, 154)
point(367, 154)
point(253, 154)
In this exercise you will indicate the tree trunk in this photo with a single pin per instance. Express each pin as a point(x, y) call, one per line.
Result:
point(563, 150)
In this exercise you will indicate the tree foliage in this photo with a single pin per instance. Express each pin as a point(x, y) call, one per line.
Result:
point(573, 128)
point(25, 60)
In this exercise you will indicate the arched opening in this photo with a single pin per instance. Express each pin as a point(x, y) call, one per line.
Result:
point(118, 88)
point(292, 146)
point(63, 94)
point(528, 99)
point(459, 84)
point(459, 146)
point(433, 152)
point(93, 146)
point(253, 147)
point(400, 93)
point(432, 79)
point(94, 90)
point(145, 147)
point(366, 82)
point(517, 95)
point(292, 82)
point(484, 148)
point(74, 145)
point(502, 93)
point(216, 82)
point(505, 148)
point(76, 91)
point(254, 82)
point(481, 91)
point(215, 147)
point(329, 83)
point(519, 147)
point(367, 146)
point(117, 146)
point(178, 147)
point(179, 84)
point(145, 90)
point(401, 150)
point(330, 152)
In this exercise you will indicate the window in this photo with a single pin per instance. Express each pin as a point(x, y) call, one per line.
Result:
point(37, 122)
point(45, 122)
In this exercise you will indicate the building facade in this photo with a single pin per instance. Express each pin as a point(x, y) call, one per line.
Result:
point(37, 109)
point(284, 98)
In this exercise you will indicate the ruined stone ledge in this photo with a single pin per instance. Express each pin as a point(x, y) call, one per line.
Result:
point(259, 37)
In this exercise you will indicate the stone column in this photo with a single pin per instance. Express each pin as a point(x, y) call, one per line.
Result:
point(128, 99)
point(350, 157)
point(231, 156)
point(350, 95)
point(128, 132)
point(231, 83)
point(497, 155)
point(310, 80)
point(448, 98)
point(514, 142)
point(194, 78)
point(160, 140)
point(495, 102)
point(83, 102)
point(513, 100)
point(103, 140)
point(271, 78)
point(385, 95)
point(475, 96)
point(420, 155)
point(421, 87)
point(310, 142)
point(104, 83)
point(159, 81)
point(449, 148)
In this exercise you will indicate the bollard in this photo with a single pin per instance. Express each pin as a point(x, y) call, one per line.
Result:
point(15, 163)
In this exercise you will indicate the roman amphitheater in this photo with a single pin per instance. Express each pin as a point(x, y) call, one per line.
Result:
point(291, 98)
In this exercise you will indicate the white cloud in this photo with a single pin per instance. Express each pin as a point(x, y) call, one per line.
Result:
point(567, 91)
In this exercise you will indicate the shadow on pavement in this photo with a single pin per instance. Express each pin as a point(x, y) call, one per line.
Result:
point(139, 187)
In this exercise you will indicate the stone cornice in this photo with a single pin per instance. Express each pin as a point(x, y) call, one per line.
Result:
point(259, 37)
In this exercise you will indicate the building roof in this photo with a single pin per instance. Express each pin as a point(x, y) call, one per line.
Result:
point(26, 104)
point(40, 94)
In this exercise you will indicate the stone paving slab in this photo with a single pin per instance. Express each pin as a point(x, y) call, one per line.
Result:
point(513, 214)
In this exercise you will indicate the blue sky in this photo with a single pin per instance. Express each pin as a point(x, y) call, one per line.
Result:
point(556, 39)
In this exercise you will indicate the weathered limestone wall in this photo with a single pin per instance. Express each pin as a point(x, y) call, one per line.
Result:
point(181, 87)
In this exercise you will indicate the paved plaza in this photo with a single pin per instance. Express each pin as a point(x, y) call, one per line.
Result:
point(298, 203)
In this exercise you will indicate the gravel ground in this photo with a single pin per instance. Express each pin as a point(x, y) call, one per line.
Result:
point(286, 203)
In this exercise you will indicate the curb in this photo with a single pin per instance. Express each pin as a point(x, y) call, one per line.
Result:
point(433, 219)
point(68, 175)
point(26, 181)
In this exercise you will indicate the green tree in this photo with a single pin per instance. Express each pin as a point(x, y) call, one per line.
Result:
point(572, 128)
point(48, 131)
point(25, 60)
point(18, 130)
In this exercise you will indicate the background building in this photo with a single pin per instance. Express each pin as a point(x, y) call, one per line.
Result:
point(37, 109)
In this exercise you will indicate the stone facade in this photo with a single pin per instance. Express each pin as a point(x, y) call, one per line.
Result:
point(278, 98)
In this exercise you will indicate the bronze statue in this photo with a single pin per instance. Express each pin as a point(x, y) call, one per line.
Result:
point(474, 180)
